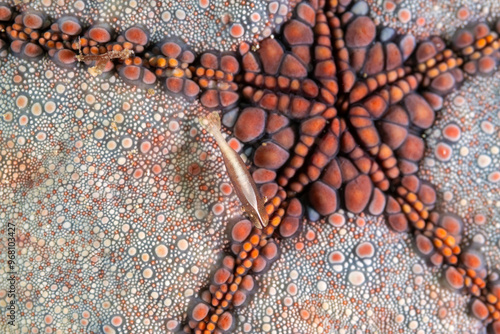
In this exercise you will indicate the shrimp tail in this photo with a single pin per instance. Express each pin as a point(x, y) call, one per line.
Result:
point(211, 123)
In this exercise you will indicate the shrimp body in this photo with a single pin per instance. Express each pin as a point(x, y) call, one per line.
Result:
point(252, 202)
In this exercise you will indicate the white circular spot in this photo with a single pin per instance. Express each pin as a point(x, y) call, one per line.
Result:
point(60, 89)
point(36, 109)
point(99, 134)
point(111, 145)
point(49, 107)
point(165, 16)
point(41, 136)
point(161, 251)
point(183, 244)
point(464, 151)
point(79, 5)
point(487, 127)
point(337, 220)
point(180, 14)
point(356, 278)
point(90, 99)
point(127, 142)
point(119, 118)
point(173, 126)
point(148, 273)
point(484, 161)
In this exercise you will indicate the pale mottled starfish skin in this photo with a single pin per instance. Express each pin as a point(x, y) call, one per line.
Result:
point(334, 111)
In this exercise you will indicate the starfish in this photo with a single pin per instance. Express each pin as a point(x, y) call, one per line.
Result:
point(333, 110)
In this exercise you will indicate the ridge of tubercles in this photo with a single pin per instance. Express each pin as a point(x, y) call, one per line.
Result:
point(334, 112)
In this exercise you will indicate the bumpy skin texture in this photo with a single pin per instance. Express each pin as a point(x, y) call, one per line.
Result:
point(357, 146)
point(333, 111)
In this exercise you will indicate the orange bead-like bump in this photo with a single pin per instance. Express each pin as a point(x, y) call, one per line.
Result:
point(473, 259)
point(137, 35)
point(254, 240)
point(446, 251)
point(323, 198)
point(247, 263)
point(454, 278)
point(33, 20)
point(70, 25)
point(225, 322)
point(440, 233)
point(479, 309)
point(241, 230)
point(100, 33)
point(5, 12)
point(259, 264)
point(221, 276)
point(250, 124)
point(289, 227)
point(170, 49)
point(64, 58)
point(360, 32)
point(239, 298)
point(424, 245)
point(200, 311)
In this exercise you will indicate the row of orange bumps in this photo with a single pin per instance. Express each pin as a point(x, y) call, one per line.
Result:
point(301, 150)
point(329, 141)
point(389, 164)
point(49, 39)
point(441, 63)
point(89, 46)
point(373, 83)
point(210, 77)
point(223, 296)
point(18, 31)
point(171, 67)
point(482, 47)
point(474, 283)
point(446, 245)
point(271, 82)
point(493, 305)
point(413, 208)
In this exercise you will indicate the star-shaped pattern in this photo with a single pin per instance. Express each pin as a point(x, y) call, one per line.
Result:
point(331, 112)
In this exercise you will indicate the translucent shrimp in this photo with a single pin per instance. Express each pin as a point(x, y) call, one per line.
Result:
point(246, 190)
